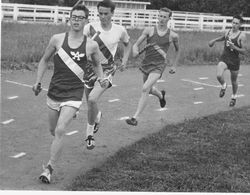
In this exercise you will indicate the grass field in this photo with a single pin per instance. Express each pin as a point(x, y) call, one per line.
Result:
point(209, 154)
point(24, 44)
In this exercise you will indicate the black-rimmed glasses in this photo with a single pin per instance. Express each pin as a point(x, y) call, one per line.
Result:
point(77, 18)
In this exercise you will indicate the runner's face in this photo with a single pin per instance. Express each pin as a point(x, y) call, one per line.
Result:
point(105, 15)
point(163, 17)
point(236, 24)
point(78, 20)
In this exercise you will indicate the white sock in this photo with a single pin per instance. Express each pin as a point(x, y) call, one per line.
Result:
point(98, 117)
point(224, 85)
point(90, 130)
point(233, 96)
point(49, 163)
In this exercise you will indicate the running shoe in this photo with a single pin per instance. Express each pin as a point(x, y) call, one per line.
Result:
point(46, 174)
point(132, 121)
point(97, 125)
point(232, 102)
point(222, 92)
point(163, 101)
point(90, 142)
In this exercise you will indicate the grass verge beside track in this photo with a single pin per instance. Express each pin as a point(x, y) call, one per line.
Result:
point(208, 154)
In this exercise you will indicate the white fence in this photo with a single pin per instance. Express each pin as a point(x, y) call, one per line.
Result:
point(186, 21)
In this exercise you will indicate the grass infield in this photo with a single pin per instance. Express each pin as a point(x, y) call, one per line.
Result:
point(208, 154)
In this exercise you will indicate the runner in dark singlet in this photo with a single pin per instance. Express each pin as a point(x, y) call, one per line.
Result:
point(155, 56)
point(234, 44)
point(70, 51)
point(159, 38)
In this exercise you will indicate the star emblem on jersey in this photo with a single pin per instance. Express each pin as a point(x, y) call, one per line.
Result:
point(77, 55)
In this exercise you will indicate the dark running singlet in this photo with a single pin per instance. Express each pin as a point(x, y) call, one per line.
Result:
point(154, 59)
point(231, 56)
point(65, 84)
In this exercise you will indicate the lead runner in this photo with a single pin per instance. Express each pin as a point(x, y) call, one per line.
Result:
point(71, 51)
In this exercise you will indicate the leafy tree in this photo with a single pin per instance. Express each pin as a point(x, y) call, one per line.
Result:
point(70, 3)
point(223, 7)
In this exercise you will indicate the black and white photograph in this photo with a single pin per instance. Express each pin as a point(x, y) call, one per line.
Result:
point(125, 96)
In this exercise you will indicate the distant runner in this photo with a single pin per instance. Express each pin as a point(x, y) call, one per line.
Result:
point(234, 44)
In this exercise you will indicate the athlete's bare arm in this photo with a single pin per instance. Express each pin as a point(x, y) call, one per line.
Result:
point(126, 53)
point(43, 64)
point(93, 54)
point(175, 39)
point(242, 42)
point(146, 32)
point(220, 38)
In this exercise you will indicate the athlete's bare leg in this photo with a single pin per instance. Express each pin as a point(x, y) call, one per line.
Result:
point(154, 91)
point(221, 67)
point(151, 80)
point(93, 97)
point(65, 117)
point(53, 118)
point(234, 76)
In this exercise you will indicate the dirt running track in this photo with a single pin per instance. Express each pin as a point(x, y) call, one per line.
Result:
point(28, 133)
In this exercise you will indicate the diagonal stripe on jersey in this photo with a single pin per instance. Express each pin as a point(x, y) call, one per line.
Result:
point(71, 64)
point(105, 51)
point(160, 51)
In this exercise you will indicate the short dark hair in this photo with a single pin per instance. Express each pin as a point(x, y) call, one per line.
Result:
point(165, 9)
point(82, 8)
point(239, 18)
point(106, 3)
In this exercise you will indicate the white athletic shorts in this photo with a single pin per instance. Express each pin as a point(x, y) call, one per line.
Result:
point(55, 105)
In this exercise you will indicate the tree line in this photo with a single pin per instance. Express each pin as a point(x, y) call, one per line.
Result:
point(223, 7)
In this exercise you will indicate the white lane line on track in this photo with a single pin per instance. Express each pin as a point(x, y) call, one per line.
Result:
point(123, 118)
point(12, 97)
point(161, 81)
point(199, 83)
point(72, 133)
point(22, 84)
point(203, 78)
point(240, 75)
point(198, 88)
point(188, 80)
point(18, 155)
point(113, 85)
point(240, 95)
point(8, 121)
point(161, 109)
point(198, 103)
point(114, 100)
point(239, 85)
